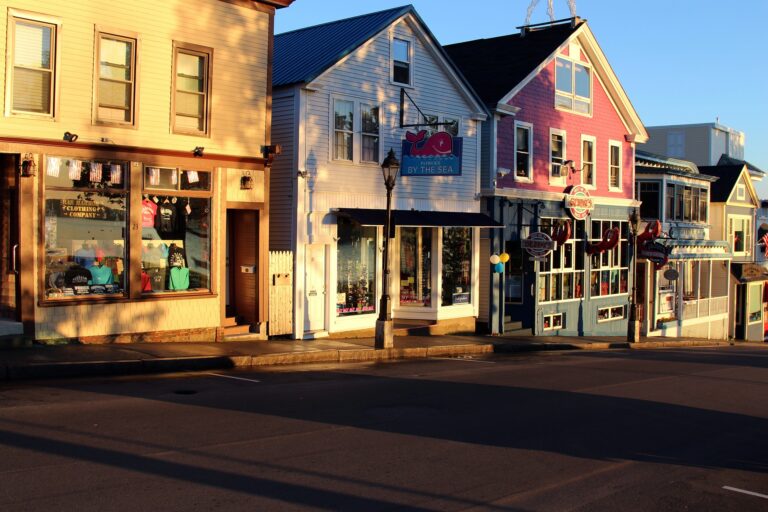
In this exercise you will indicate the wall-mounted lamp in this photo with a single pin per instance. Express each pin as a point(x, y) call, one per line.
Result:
point(27, 166)
point(270, 152)
point(302, 174)
point(198, 151)
point(568, 166)
point(70, 137)
point(246, 181)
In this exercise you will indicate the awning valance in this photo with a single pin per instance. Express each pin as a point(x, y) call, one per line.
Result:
point(373, 217)
point(682, 249)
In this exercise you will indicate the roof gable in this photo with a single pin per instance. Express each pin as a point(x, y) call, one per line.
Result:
point(723, 190)
point(302, 55)
point(500, 68)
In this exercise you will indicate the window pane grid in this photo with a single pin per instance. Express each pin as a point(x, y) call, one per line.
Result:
point(33, 61)
point(561, 276)
point(191, 87)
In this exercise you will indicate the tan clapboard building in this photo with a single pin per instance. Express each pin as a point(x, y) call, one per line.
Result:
point(134, 151)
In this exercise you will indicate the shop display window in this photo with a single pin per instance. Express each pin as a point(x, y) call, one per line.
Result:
point(175, 231)
point(610, 268)
point(611, 313)
point(755, 303)
point(355, 268)
point(457, 263)
point(554, 321)
point(561, 275)
point(86, 212)
point(415, 266)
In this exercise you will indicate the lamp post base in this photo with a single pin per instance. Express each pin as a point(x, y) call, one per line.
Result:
point(384, 335)
point(633, 326)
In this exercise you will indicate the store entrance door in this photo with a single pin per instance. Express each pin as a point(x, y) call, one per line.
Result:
point(9, 245)
point(242, 272)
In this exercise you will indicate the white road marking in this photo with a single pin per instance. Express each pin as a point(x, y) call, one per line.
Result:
point(735, 489)
point(231, 377)
point(464, 359)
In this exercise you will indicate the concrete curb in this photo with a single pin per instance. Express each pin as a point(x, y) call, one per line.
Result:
point(349, 355)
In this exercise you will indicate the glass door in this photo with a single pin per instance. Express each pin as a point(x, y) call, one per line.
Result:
point(415, 266)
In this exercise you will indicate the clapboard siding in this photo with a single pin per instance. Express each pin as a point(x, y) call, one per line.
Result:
point(365, 75)
point(238, 36)
point(283, 176)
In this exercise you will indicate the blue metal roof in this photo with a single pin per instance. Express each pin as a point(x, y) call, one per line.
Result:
point(302, 55)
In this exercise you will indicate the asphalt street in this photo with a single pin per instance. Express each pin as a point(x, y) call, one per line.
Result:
point(660, 430)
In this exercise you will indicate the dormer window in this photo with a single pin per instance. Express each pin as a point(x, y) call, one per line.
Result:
point(401, 61)
point(573, 86)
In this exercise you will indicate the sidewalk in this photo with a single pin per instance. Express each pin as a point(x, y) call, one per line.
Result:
point(56, 361)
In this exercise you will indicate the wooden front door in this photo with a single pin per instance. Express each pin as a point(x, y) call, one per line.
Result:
point(244, 264)
point(9, 238)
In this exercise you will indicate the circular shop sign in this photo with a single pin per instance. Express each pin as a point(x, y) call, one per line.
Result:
point(671, 274)
point(579, 203)
point(538, 244)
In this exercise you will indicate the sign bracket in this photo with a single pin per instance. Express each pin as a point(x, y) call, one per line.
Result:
point(403, 95)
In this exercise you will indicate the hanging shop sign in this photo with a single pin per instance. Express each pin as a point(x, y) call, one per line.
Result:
point(671, 274)
point(579, 203)
point(435, 155)
point(654, 252)
point(538, 244)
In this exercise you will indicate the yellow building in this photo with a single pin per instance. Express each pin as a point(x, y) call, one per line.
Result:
point(134, 152)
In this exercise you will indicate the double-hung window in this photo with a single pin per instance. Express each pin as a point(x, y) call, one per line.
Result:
point(573, 85)
point(648, 194)
point(32, 52)
point(356, 131)
point(401, 61)
point(116, 72)
point(556, 155)
point(614, 165)
point(191, 89)
point(740, 235)
point(588, 161)
point(523, 151)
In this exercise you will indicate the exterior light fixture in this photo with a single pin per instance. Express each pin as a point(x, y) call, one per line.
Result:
point(70, 137)
point(633, 327)
point(27, 166)
point(198, 151)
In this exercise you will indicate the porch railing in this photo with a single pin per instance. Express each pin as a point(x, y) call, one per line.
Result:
point(705, 307)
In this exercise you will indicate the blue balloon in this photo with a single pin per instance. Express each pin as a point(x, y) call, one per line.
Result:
point(499, 268)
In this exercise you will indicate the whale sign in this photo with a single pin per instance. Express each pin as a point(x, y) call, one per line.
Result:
point(435, 155)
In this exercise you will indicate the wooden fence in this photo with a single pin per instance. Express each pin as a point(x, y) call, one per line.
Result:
point(280, 292)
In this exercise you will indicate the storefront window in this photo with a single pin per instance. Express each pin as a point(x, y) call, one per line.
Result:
point(457, 263)
point(610, 268)
point(86, 213)
point(355, 268)
point(416, 266)
point(667, 303)
point(561, 276)
point(175, 231)
point(513, 273)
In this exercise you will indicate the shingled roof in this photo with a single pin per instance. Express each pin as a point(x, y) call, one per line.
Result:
point(302, 55)
point(728, 175)
point(495, 66)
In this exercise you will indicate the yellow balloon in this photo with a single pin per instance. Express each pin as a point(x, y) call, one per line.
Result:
point(503, 257)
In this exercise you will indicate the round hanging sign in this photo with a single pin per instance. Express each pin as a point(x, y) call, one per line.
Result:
point(538, 244)
point(579, 203)
point(671, 274)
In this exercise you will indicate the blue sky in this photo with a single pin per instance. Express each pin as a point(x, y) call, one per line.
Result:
point(680, 61)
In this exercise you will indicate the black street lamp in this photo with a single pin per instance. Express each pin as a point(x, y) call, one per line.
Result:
point(384, 336)
point(633, 328)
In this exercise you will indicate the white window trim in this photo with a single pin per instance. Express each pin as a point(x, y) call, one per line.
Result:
point(560, 180)
point(611, 144)
point(741, 192)
point(9, 65)
point(411, 53)
point(551, 323)
point(612, 265)
point(100, 32)
point(747, 246)
point(573, 95)
point(593, 140)
point(612, 318)
point(529, 127)
point(357, 134)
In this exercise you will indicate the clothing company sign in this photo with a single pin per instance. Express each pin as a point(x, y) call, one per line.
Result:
point(579, 203)
point(435, 155)
point(79, 209)
point(538, 244)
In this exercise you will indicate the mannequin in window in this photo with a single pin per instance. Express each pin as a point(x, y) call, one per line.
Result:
point(85, 255)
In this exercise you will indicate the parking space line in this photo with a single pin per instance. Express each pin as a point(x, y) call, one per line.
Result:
point(231, 377)
point(736, 489)
point(464, 359)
